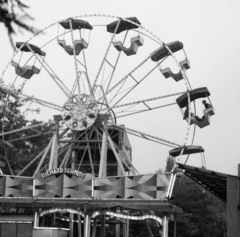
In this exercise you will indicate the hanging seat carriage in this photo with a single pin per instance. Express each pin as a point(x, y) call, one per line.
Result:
point(27, 71)
point(195, 94)
point(163, 52)
point(188, 150)
point(123, 26)
point(79, 44)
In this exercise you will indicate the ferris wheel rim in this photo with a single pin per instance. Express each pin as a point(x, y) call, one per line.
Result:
point(120, 18)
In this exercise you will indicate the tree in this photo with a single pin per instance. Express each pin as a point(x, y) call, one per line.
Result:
point(24, 144)
point(13, 14)
point(203, 213)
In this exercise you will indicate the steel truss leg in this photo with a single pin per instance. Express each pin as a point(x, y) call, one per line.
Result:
point(165, 226)
point(87, 225)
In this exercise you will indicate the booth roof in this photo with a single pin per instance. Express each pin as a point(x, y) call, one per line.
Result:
point(92, 204)
point(213, 181)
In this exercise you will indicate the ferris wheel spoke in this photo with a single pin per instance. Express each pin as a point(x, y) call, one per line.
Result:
point(127, 76)
point(115, 65)
point(119, 85)
point(41, 102)
point(143, 110)
point(7, 161)
point(21, 129)
point(81, 78)
point(51, 73)
point(106, 53)
point(147, 100)
point(147, 136)
point(57, 80)
point(137, 84)
point(86, 70)
point(78, 72)
point(129, 111)
point(74, 53)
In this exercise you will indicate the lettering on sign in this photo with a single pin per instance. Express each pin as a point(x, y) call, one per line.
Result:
point(63, 171)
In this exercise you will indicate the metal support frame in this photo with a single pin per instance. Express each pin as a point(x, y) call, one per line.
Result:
point(120, 165)
point(103, 158)
point(43, 157)
point(165, 226)
point(87, 225)
point(54, 153)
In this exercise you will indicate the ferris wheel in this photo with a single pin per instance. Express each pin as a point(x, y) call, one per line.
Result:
point(104, 78)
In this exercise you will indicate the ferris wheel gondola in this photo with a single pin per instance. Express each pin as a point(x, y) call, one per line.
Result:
point(27, 71)
point(195, 94)
point(188, 150)
point(77, 44)
point(127, 26)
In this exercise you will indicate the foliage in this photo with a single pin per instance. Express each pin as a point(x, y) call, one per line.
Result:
point(169, 164)
point(27, 143)
point(203, 213)
point(13, 13)
point(137, 228)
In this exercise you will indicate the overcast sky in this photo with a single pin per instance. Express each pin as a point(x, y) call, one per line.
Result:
point(210, 33)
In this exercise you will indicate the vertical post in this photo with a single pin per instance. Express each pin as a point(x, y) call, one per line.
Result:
point(71, 224)
point(233, 201)
point(79, 226)
point(238, 185)
point(175, 224)
point(87, 225)
point(36, 220)
point(57, 118)
point(118, 225)
point(103, 225)
point(117, 230)
point(127, 224)
point(94, 230)
point(41, 221)
point(124, 225)
point(165, 226)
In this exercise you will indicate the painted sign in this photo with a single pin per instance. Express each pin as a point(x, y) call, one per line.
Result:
point(63, 171)
point(60, 184)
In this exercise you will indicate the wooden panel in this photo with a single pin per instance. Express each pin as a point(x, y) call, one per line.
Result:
point(24, 230)
point(8, 230)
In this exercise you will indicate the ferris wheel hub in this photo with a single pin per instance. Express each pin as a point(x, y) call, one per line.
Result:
point(79, 112)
